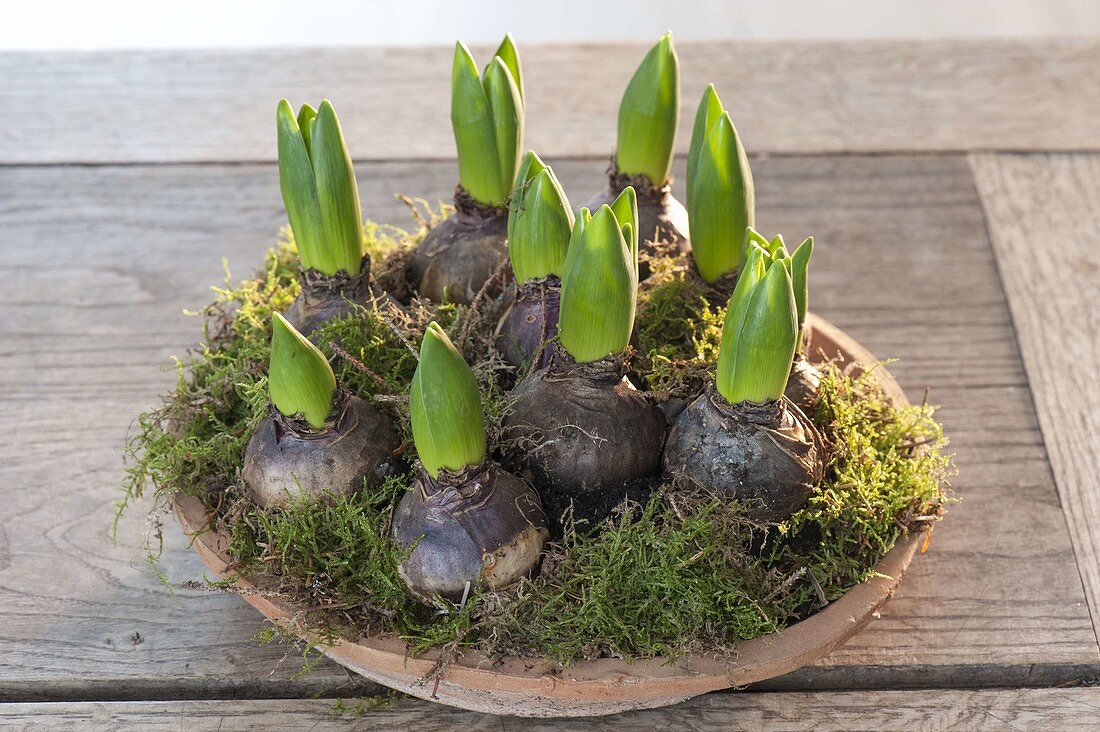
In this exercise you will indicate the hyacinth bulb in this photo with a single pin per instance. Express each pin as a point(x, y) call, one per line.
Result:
point(465, 522)
point(448, 427)
point(599, 287)
point(540, 222)
point(345, 444)
point(487, 115)
point(649, 114)
point(319, 189)
point(743, 438)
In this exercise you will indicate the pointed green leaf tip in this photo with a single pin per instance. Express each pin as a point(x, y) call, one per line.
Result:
point(488, 119)
point(797, 265)
point(721, 198)
point(710, 109)
point(448, 427)
point(800, 264)
point(579, 224)
point(509, 54)
point(625, 208)
point(777, 248)
point(599, 288)
point(307, 115)
point(299, 378)
point(319, 189)
point(648, 115)
point(758, 336)
point(755, 240)
point(540, 222)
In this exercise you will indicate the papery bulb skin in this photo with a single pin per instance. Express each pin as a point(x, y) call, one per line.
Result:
point(458, 256)
point(329, 297)
point(579, 431)
point(768, 456)
point(287, 460)
point(804, 384)
point(662, 219)
point(529, 322)
point(481, 525)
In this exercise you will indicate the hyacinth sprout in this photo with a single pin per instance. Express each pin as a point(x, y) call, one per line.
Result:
point(720, 194)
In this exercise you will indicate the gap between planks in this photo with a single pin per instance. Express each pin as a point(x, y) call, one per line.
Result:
point(1070, 710)
point(803, 97)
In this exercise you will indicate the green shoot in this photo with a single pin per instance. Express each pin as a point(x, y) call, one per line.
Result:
point(540, 222)
point(721, 198)
point(300, 379)
point(487, 117)
point(319, 189)
point(599, 288)
point(448, 425)
point(759, 335)
point(649, 114)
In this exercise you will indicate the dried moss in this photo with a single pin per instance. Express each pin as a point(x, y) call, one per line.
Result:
point(356, 708)
point(681, 572)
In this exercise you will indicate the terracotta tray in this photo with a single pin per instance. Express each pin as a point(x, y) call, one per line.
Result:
point(605, 686)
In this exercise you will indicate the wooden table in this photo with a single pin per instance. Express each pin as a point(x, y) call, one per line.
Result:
point(955, 197)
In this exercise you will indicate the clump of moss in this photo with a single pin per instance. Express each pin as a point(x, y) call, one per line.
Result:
point(336, 557)
point(195, 441)
point(359, 706)
point(886, 477)
point(337, 548)
point(680, 572)
point(679, 331)
point(674, 575)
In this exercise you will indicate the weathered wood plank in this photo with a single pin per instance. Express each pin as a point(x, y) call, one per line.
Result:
point(1044, 217)
point(100, 263)
point(928, 711)
point(787, 97)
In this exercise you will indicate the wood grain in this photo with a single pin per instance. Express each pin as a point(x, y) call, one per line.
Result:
point(786, 97)
point(100, 263)
point(961, 711)
point(1044, 217)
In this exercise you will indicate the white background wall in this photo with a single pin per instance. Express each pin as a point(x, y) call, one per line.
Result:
point(93, 24)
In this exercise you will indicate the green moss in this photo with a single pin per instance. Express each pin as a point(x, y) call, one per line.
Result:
point(336, 553)
point(359, 706)
point(679, 331)
point(681, 573)
point(661, 579)
point(194, 442)
point(336, 547)
point(886, 475)
point(688, 571)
